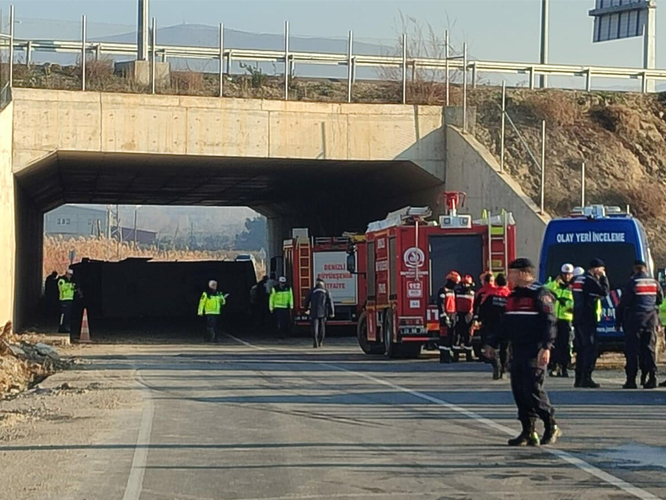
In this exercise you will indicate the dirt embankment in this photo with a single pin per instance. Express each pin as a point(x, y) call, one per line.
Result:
point(621, 137)
point(25, 360)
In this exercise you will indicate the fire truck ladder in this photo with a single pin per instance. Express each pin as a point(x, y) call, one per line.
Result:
point(498, 247)
point(304, 253)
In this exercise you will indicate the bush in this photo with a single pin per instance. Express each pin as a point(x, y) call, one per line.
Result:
point(556, 108)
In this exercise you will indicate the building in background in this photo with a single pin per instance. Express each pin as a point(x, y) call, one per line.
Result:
point(73, 221)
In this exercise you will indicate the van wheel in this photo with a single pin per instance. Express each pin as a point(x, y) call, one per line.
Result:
point(367, 346)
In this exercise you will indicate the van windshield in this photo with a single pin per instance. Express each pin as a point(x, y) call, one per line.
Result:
point(619, 259)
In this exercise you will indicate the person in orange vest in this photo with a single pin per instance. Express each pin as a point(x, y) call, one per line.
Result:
point(446, 305)
point(464, 316)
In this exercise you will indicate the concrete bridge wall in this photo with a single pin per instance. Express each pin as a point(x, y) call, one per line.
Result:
point(473, 169)
point(93, 121)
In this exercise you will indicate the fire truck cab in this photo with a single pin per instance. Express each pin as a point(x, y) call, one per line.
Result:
point(308, 258)
point(408, 256)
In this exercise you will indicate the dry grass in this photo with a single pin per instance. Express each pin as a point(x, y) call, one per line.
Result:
point(57, 252)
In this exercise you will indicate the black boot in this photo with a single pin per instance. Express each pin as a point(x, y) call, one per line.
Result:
point(551, 434)
point(444, 355)
point(528, 437)
point(643, 378)
point(496, 372)
point(564, 373)
point(588, 383)
point(663, 384)
point(630, 384)
point(578, 380)
point(652, 382)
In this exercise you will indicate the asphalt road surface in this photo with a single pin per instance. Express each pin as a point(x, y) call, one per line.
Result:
point(254, 419)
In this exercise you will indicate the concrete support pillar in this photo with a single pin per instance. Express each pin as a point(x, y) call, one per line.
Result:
point(28, 274)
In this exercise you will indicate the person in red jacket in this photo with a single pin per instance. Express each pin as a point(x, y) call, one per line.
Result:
point(464, 316)
point(446, 305)
point(490, 315)
point(489, 284)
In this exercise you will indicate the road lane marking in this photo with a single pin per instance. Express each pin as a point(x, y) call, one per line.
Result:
point(562, 455)
point(138, 468)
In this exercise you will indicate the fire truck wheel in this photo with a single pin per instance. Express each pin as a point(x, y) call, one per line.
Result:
point(362, 333)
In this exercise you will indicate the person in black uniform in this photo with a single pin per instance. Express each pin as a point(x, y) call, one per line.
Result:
point(490, 313)
point(588, 290)
point(319, 305)
point(529, 325)
point(637, 314)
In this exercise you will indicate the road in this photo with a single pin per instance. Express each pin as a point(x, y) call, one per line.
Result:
point(256, 419)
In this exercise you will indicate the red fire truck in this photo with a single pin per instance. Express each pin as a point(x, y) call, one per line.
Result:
point(308, 258)
point(408, 256)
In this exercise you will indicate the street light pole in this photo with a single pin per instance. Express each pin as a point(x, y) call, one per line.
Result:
point(142, 31)
point(545, 11)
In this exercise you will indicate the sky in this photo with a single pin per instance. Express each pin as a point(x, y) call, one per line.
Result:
point(501, 30)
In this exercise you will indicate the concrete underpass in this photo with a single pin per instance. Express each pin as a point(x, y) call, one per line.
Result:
point(328, 167)
point(328, 197)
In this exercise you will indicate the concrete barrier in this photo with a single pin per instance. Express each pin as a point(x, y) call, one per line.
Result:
point(7, 216)
point(471, 168)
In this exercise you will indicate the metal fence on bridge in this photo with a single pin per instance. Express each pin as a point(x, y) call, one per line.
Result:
point(404, 63)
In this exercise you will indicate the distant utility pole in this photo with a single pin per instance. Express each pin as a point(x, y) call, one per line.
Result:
point(545, 11)
point(142, 31)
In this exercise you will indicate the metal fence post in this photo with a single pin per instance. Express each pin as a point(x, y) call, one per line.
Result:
point(28, 53)
point(286, 61)
point(446, 62)
point(404, 68)
point(11, 46)
point(350, 66)
point(502, 151)
point(644, 82)
point(582, 184)
point(543, 167)
point(532, 77)
point(474, 75)
point(588, 80)
point(153, 60)
point(464, 120)
point(84, 27)
point(221, 60)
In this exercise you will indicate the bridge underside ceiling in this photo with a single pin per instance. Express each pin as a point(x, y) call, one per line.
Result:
point(274, 187)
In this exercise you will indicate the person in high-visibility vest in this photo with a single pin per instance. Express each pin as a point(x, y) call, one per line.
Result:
point(210, 305)
point(281, 303)
point(561, 288)
point(66, 293)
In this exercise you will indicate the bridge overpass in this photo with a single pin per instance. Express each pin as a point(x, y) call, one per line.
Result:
point(330, 167)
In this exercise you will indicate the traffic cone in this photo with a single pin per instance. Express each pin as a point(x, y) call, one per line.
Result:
point(84, 338)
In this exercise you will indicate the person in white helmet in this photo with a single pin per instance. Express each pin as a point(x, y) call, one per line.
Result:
point(561, 288)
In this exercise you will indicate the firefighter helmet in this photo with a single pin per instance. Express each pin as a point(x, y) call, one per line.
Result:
point(453, 276)
point(468, 280)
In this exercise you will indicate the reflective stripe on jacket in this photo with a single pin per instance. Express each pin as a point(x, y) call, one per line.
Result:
point(211, 304)
point(66, 289)
point(281, 298)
